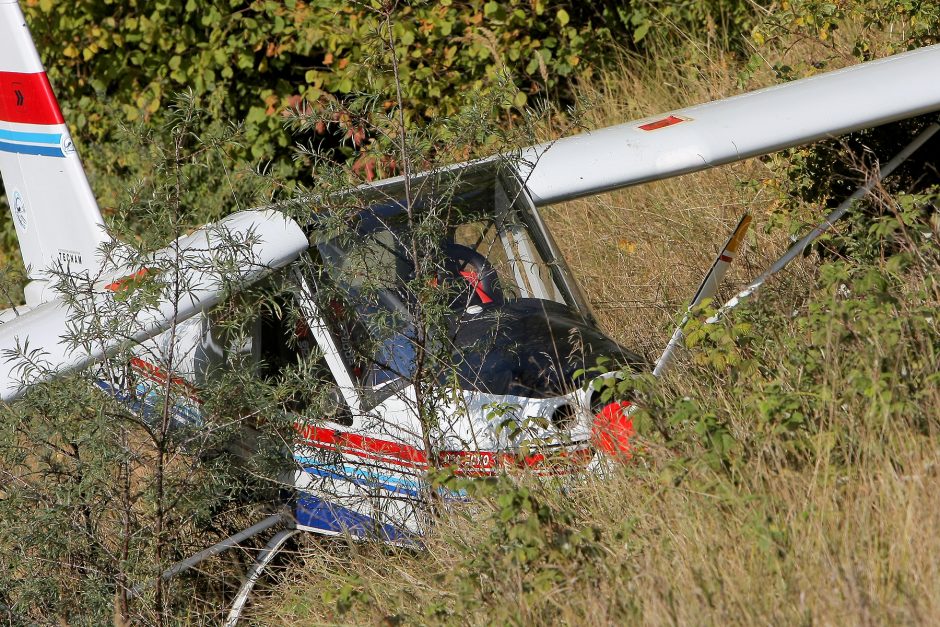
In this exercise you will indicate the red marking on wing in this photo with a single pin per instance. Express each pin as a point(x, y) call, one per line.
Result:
point(28, 99)
point(658, 124)
point(121, 283)
point(726, 258)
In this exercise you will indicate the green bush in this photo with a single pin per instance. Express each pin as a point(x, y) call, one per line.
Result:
point(123, 61)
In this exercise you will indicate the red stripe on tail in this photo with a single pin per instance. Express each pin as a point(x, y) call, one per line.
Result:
point(28, 99)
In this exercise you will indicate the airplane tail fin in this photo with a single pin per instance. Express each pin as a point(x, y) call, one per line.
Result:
point(57, 220)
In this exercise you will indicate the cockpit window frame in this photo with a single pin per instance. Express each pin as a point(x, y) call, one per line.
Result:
point(548, 250)
point(498, 194)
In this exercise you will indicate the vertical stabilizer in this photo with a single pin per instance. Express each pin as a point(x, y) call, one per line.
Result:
point(55, 214)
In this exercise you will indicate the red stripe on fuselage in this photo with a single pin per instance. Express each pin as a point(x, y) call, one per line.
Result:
point(359, 444)
point(28, 99)
point(466, 463)
point(157, 375)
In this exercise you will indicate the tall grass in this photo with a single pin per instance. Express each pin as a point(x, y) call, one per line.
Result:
point(787, 471)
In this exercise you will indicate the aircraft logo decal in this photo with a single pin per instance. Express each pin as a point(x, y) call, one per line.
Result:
point(19, 210)
point(68, 147)
point(67, 257)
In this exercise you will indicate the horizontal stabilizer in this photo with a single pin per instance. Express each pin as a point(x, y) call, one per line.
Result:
point(183, 279)
point(735, 128)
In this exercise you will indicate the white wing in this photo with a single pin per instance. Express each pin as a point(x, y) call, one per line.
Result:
point(735, 128)
point(236, 251)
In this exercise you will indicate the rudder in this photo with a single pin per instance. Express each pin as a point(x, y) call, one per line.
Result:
point(57, 220)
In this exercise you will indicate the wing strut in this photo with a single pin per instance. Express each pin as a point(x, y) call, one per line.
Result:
point(264, 558)
point(230, 542)
point(798, 248)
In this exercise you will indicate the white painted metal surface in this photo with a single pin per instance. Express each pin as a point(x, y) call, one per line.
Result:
point(270, 551)
point(57, 220)
point(255, 242)
point(17, 52)
point(723, 131)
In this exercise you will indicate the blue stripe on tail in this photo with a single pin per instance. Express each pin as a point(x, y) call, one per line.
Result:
point(53, 139)
point(30, 149)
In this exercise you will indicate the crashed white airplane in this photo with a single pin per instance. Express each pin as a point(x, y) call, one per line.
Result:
point(359, 469)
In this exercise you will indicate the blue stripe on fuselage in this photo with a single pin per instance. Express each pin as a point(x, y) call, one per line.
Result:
point(320, 514)
point(143, 403)
point(363, 478)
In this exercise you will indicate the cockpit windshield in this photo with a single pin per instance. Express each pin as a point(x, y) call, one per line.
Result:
point(474, 256)
point(496, 260)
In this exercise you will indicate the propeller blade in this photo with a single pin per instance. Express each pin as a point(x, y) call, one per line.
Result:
point(797, 249)
point(707, 288)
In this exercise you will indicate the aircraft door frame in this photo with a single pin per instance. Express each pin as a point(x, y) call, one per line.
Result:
point(519, 199)
point(332, 354)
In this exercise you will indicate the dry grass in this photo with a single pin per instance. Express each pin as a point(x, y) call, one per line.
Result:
point(641, 253)
point(844, 535)
point(792, 548)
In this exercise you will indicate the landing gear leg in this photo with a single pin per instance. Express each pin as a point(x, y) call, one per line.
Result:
point(264, 558)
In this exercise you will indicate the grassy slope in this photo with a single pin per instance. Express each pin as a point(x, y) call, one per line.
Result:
point(832, 520)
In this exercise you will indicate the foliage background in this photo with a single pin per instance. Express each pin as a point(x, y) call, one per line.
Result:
point(121, 63)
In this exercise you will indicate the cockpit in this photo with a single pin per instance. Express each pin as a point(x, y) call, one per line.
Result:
point(463, 284)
